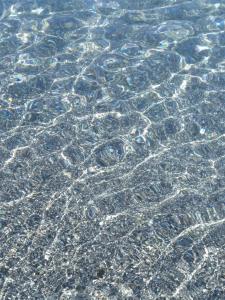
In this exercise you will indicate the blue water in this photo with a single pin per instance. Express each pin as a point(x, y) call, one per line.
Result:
point(112, 149)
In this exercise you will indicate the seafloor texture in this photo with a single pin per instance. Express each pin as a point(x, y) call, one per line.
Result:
point(112, 155)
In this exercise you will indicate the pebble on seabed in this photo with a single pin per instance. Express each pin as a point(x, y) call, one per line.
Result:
point(140, 140)
point(202, 131)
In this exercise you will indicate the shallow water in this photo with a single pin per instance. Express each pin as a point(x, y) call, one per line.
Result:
point(112, 149)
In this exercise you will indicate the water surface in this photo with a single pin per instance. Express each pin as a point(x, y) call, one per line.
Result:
point(112, 149)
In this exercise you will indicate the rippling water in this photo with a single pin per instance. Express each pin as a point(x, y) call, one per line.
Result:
point(112, 149)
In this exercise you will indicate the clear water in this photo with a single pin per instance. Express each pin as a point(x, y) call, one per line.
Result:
point(112, 149)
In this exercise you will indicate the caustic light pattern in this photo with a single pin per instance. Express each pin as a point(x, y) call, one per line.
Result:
point(112, 149)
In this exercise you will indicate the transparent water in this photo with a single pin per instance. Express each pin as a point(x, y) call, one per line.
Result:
point(112, 149)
